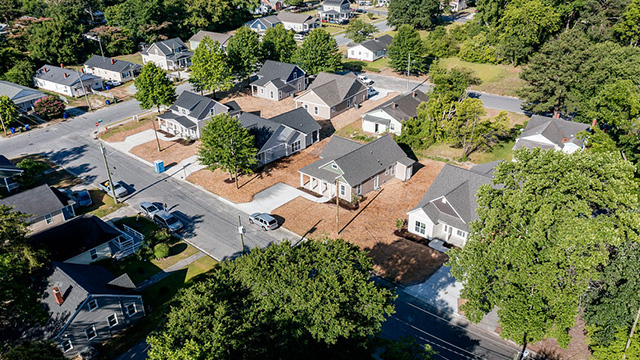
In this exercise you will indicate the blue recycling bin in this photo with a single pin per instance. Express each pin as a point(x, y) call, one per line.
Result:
point(158, 165)
point(27, 127)
point(108, 87)
point(108, 102)
point(64, 115)
point(13, 130)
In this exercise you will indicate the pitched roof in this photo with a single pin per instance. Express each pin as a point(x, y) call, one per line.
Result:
point(100, 62)
point(451, 198)
point(333, 2)
point(62, 76)
point(557, 131)
point(358, 163)
point(286, 16)
point(338, 146)
point(73, 237)
point(199, 106)
point(375, 45)
point(402, 107)
point(219, 37)
point(168, 47)
point(6, 164)
point(18, 93)
point(39, 201)
point(334, 89)
point(268, 21)
point(274, 70)
point(261, 128)
point(298, 119)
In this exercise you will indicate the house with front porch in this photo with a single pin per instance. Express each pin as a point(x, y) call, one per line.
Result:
point(46, 207)
point(332, 94)
point(551, 133)
point(351, 169)
point(299, 23)
point(188, 114)
point(278, 80)
point(171, 54)
point(66, 81)
point(449, 205)
point(335, 10)
point(111, 68)
point(389, 116)
point(8, 171)
point(24, 97)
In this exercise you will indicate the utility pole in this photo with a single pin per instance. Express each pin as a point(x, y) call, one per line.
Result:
point(241, 232)
point(633, 329)
point(337, 207)
point(85, 92)
point(106, 164)
point(408, 70)
point(100, 43)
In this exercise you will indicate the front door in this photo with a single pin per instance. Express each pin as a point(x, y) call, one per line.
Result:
point(376, 130)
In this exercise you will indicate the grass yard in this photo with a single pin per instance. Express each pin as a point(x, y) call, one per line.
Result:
point(354, 131)
point(333, 28)
point(134, 58)
point(56, 177)
point(496, 79)
point(117, 133)
point(101, 204)
point(375, 66)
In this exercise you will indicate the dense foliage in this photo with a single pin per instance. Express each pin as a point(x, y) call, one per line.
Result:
point(244, 51)
point(318, 52)
point(407, 46)
point(278, 44)
point(422, 14)
point(48, 107)
point(359, 31)
point(210, 69)
point(40, 350)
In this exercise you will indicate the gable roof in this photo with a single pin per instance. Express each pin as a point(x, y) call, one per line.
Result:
point(298, 119)
point(18, 93)
point(261, 128)
point(333, 89)
point(359, 163)
point(8, 165)
point(167, 47)
point(100, 62)
point(267, 21)
point(557, 131)
point(275, 70)
point(334, 2)
point(219, 37)
point(199, 106)
point(375, 45)
point(62, 76)
point(290, 17)
point(402, 107)
point(451, 198)
point(39, 201)
point(74, 237)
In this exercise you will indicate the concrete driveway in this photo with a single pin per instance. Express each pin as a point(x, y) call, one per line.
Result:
point(272, 198)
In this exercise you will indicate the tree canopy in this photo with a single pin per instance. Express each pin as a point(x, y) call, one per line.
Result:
point(153, 88)
point(318, 52)
point(422, 14)
point(40, 350)
point(243, 49)
point(210, 69)
point(407, 42)
point(359, 31)
point(278, 44)
point(57, 40)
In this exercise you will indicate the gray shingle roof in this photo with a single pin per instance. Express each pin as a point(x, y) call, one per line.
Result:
point(272, 71)
point(334, 89)
point(286, 16)
point(403, 107)
point(199, 106)
point(261, 128)
point(97, 61)
point(558, 131)
point(39, 201)
point(169, 46)
point(458, 188)
point(18, 93)
point(6, 164)
point(378, 44)
point(338, 146)
point(219, 37)
point(334, 2)
point(298, 119)
point(62, 76)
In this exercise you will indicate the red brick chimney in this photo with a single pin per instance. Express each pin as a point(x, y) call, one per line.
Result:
point(66, 75)
point(57, 295)
point(395, 106)
point(556, 115)
point(61, 66)
point(112, 61)
point(415, 94)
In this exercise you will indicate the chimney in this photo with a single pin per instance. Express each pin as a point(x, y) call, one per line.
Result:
point(66, 75)
point(556, 115)
point(594, 123)
point(415, 94)
point(395, 106)
point(44, 69)
point(61, 66)
point(112, 61)
point(57, 295)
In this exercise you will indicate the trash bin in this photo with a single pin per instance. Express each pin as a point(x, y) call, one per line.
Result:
point(13, 130)
point(158, 166)
point(27, 127)
point(108, 87)
point(108, 102)
point(64, 115)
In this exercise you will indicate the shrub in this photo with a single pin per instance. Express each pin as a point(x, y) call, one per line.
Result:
point(478, 50)
point(32, 169)
point(161, 251)
point(48, 107)
point(440, 43)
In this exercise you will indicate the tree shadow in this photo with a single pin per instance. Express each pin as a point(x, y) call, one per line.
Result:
point(189, 222)
point(360, 211)
point(326, 128)
point(65, 156)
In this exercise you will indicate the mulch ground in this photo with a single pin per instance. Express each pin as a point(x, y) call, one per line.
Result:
point(259, 106)
point(172, 151)
point(372, 226)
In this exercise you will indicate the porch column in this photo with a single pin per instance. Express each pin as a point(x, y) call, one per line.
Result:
point(301, 180)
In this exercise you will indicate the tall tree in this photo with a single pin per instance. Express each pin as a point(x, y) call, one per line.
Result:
point(422, 14)
point(314, 300)
point(219, 15)
point(490, 11)
point(278, 44)
point(542, 232)
point(243, 50)
point(617, 347)
point(40, 350)
point(115, 40)
point(8, 112)
point(148, 20)
point(153, 88)
point(407, 43)
point(9, 10)
point(56, 41)
point(359, 31)
point(20, 73)
point(210, 70)
point(628, 30)
point(318, 52)
point(228, 146)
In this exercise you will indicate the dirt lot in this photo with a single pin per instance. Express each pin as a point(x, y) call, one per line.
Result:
point(172, 151)
point(354, 114)
point(371, 226)
point(262, 107)
point(285, 170)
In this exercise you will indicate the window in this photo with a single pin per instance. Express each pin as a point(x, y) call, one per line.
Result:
point(67, 345)
point(334, 166)
point(359, 189)
point(212, 112)
point(343, 190)
point(295, 75)
point(112, 320)
point(447, 228)
point(271, 94)
point(353, 52)
point(131, 309)
point(462, 234)
point(393, 170)
point(315, 110)
point(183, 111)
point(280, 94)
point(93, 304)
point(348, 103)
point(295, 146)
point(93, 253)
point(261, 91)
point(391, 126)
point(91, 332)
point(386, 171)
point(299, 86)
point(306, 107)
point(48, 219)
point(420, 227)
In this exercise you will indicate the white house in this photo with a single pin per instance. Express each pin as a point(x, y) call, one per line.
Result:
point(65, 81)
point(551, 133)
point(335, 10)
point(111, 69)
point(299, 23)
point(390, 116)
point(24, 97)
point(170, 54)
point(222, 39)
point(188, 114)
point(277, 81)
point(370, 50)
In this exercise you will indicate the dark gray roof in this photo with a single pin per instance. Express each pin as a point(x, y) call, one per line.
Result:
point(62, 76)
point(18, 93)
point(73, 237)
point(269, 21)
point(274, 70)
point(296, 18)
point(298, 119)
point(168, 47)
point(486, 168)
point(334, 89)
point(403, 107)
point(97, 61)
point(361, 163)
point(375, 45)
point(338, 146)
point(219, 37)
point(334, 2)
point(39, 201)
point(182, 120)
point(282, 135)
point(6, 164)
point(261, 128)
point(451, 198)
point(558, 131)
point(199, 106)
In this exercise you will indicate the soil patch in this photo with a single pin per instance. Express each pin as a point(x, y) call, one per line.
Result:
point(172, 151)
point(259, 106)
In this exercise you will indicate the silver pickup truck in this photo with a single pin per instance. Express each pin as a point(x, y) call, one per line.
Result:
point(118, 188)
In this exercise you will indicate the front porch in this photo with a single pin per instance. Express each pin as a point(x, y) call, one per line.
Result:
point(178, 126)
point(318, 186)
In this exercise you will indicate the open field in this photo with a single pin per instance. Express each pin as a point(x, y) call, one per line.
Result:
point(496, 79)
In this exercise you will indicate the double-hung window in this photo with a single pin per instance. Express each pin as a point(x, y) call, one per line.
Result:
point(112, 320)
point(91, 332)
point(420, 227)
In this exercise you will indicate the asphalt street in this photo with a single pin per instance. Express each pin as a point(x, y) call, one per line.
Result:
point(382, 27)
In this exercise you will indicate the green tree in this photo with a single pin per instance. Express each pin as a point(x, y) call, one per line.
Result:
point(478, 49)
point(243, 50)
point(359, 31)
point(407, 43)
point(210, 70)
point(616, 348)
point(318, 52)
point(9, 10)
point(148, 20)
point(451, 84)
point(278, 44)
point(615, 104)
point(407, 348)
point(422, 14)
point(313, 300)
point(228, 146)
point(218, 15)
point(525, 25)
point(161, 250)
point(538, 241)
point(598, 140)
point(115, 40)
point(40, 350)
point(8, 112)
point(440, 43)
point(56, 41)
point(153, 88)
point(490, 11)
point(48, 107)
point(628, 30)
point(20, 73)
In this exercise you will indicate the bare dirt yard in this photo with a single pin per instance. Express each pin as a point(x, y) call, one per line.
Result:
point(372, 226)
point(284, 170)
point(353, 114)
point(259, 106)
point(172, 151)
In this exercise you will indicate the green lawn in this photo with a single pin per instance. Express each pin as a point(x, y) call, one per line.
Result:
point(496, 79)
point(333, 28)
point(130, 125)
point(59, 178)
point(375, 66)
point(101, 204)
point(134, 58)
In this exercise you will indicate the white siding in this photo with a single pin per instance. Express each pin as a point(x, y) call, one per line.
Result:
point(360, 53)
point(103, 251)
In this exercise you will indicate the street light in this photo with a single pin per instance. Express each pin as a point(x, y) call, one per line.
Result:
point(95, 37)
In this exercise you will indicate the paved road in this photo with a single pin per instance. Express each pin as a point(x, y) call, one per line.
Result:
point(382, 27)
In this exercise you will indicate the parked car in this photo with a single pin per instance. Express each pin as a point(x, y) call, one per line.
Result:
point(266, 221)
point(112, 83)
point(343, 22)
point(83, 198)
point(148, 209)
point(365, 80)
point(167, 221)
point(118, 188)
point(372, 92)
point(298, 37)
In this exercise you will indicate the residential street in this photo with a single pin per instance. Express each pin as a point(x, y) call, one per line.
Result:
point(382, 27)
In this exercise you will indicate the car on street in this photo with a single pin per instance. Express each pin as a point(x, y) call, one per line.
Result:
point(372, 92)
point(167, 221)
point(112, 83)
point(365, 80)
point(118, 188)
point(298, 37)
point(265, 221)
point(148, 209)
point(343, 22)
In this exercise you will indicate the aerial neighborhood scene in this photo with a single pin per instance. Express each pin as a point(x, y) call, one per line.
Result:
point(337, 179)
